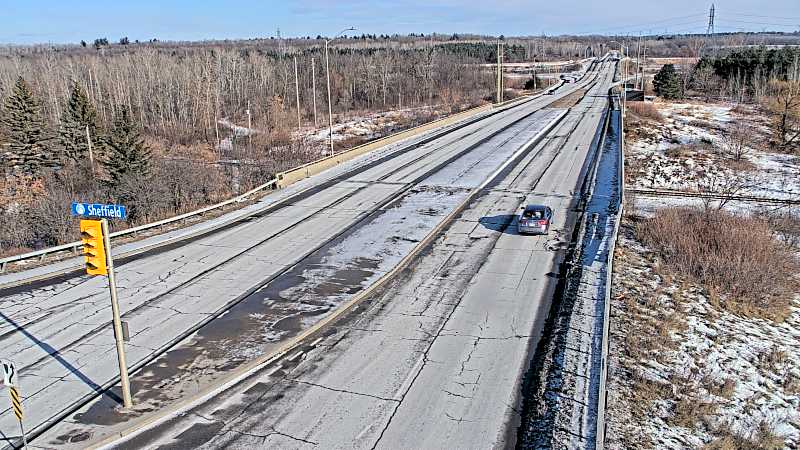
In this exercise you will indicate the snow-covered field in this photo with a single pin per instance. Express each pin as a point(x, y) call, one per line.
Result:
point(685, 152)
point(685, 373)
point(364, 127)
point(367, 127)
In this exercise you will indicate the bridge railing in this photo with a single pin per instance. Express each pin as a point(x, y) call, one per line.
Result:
point(603, 392)
point(75, 246)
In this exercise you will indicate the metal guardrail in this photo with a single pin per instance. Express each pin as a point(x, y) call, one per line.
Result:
point(74, 246)
point(711, 195)
point(271, 184)
point(600, 435)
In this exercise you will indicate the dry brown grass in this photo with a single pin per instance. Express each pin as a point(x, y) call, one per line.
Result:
point(791, 385)
point(741, 109)
point(773, 359)
point(690, 411)
point(645, 110)
point(763, 437)
point(738, 256)
point(697, 150)
point(724, 388)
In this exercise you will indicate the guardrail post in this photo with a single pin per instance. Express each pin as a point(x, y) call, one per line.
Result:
point(2, 267)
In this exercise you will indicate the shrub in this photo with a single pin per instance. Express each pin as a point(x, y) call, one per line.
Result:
point(737, 256)
point(763, 437)
point(645, 110)
point(690, 411)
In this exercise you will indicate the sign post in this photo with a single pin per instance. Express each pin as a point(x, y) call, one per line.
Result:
point(112, 286)
point(97, 250)
point(10, 381)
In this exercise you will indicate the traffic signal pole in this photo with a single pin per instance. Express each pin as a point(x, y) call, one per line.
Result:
point(112, 285)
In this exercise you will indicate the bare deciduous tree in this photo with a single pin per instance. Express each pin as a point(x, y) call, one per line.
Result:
point(784, 104)
point(737, 140)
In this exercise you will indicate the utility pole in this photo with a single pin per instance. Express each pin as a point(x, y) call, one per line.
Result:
point(330, 108)
point(499, 73)
point(638, 60)
point(328, 77)
point(89, 143)
point(249, 126)
point(644, 59)
point(314, 89)
point(297, 92)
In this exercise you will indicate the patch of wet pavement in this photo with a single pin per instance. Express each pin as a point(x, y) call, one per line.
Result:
point(286, 306)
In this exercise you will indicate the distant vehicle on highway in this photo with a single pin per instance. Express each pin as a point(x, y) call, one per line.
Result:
point(571, 77)
point(534, 219)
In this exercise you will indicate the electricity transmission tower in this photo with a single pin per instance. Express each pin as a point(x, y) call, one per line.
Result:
point(710, 29)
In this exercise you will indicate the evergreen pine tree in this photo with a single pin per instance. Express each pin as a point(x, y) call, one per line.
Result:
point(79, 114)
point(126, 153)
point(25, 132)
point(667, 83)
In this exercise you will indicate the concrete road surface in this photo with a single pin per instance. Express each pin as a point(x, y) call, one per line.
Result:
point(59, 336)
point(435, 360)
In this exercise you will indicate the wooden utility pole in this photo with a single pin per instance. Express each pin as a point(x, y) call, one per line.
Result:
point(249, 126)
point(638, 60)
point(297, 92)
point(499, 73)
point(314, 89)
point(644, 59)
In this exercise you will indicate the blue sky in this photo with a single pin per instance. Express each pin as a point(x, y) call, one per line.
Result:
point(32, 21)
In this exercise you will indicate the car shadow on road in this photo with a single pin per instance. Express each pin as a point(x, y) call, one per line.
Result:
point(503, 223)
point(56, 354)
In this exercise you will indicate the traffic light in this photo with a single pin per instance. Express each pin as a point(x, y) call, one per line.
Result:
point(93, 249)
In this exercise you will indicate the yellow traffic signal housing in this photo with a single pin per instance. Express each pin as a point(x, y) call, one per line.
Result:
point(93, 249)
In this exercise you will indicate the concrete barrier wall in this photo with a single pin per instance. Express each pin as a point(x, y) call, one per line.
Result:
point(291, 176)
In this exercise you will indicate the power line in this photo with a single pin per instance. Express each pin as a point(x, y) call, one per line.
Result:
point(645, 25)
point(760, 15)
point(793, 26)
point(763, 23)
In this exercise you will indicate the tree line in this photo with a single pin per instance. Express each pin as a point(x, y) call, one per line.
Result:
point(179, 96)
point(144, 127)
point(770, 77)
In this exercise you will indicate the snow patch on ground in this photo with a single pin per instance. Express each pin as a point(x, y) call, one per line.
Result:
point(684, 153)
point(684, 372)
point(368, 126)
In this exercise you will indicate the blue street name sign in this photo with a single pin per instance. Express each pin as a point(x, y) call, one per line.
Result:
point(99, 210)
